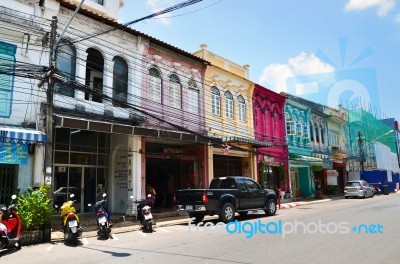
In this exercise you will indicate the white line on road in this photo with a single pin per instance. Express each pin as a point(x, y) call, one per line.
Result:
point(114, 237)
point(164, 230)
point(50, 247)
point(143, 234)
point(85, 241)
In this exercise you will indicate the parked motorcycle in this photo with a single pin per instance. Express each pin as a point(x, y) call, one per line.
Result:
point(10, 227)
point(376, 190)
point(70, 220)
point(104, 223)
point(144, 215)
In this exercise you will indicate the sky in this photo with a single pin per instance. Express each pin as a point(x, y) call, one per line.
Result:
point(331, 52)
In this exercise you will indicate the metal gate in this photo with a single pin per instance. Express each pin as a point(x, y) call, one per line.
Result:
point(7, 183)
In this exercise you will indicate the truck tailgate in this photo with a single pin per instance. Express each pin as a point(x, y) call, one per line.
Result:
point(189, 196)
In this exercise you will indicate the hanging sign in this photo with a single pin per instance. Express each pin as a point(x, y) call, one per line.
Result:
point(13, 153)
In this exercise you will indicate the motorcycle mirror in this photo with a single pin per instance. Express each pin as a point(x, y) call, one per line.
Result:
point(13, 196)
point(149, 195)
point(104, 194)
point(71, 195)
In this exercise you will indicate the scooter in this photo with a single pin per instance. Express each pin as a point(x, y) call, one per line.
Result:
point(103, 217)
point(70, 220)
point(376, 190)
point(144, 215)
point(10, 227)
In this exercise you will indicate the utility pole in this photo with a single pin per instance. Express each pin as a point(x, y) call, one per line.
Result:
point(360, 145)
point(49, 107)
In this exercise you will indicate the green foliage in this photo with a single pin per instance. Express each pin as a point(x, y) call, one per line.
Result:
point(34, 208)
point(282, 174)
point(262, 175)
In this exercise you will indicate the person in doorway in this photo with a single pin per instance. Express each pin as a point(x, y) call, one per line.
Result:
point(152, 191)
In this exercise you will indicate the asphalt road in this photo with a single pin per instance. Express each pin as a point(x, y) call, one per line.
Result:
point(342, 231)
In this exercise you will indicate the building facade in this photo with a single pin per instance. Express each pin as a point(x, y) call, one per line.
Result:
point(22, 142)
point(269, 127)
point(229, 117)
point(297, 118)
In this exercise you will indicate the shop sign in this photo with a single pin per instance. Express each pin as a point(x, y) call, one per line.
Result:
point(332, 173)
point(174, 151)
point(13, 153)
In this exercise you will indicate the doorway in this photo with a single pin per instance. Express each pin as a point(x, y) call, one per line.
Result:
point(86, 183)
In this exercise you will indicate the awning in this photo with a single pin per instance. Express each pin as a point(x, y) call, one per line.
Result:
point(21, 135)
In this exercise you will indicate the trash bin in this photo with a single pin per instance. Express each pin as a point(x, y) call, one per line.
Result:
point(385, 190)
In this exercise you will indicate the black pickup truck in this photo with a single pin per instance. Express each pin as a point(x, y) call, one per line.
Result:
point(225, 197)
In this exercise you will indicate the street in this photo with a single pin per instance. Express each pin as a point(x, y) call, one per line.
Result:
point(329, 238)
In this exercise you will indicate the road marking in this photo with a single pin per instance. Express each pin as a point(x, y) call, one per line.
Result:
point(85, 241)
point(164, 230)
point(50, 247)
point(143, 234)
point(114, 237)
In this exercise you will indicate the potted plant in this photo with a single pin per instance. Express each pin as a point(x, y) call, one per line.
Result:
point(35, 210)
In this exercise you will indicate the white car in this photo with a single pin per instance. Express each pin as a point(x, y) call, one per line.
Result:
point(359, 188)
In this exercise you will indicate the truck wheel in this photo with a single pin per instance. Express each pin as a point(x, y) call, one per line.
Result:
point(270, 207)
point(199, 217)
point(227, 213)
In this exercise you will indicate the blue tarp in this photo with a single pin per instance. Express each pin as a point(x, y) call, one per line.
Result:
point(379, 178)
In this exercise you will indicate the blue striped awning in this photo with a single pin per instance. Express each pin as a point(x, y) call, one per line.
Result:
point(21, 135)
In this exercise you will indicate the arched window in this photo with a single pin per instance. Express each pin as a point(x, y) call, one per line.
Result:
point(154, 85)
point(175, 94)
point(228, 105)
point(193, 97)
point(215, 101)
point(120, 82)
point(66, 64)
point(94, 75)
point(242, 108)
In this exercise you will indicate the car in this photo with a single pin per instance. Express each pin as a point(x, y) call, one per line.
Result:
point(359, 188)
point(62, 194)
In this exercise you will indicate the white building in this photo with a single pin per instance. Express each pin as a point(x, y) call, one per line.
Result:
point(99, 128)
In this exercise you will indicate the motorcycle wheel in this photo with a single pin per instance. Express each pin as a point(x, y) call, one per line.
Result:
point(74, 239)
point(104, 232)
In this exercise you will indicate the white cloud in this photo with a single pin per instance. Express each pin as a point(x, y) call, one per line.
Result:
point(384, 6)
point(397, 19)
point(274, 75)
point(158, 5)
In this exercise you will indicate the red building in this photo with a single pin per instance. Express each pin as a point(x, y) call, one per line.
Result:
point(269, 126)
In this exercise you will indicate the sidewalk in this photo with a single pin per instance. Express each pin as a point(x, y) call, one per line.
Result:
point(127, 224)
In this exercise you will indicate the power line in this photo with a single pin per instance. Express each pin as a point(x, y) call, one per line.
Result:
point(165, 11)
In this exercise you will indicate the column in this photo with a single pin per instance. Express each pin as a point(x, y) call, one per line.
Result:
point(134, 174)
point(108, 84)
point(81, 57)
point(38, 166)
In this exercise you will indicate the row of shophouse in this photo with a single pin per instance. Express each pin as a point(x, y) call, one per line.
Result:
point(130, 111)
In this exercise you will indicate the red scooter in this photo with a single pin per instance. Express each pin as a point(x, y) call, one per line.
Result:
point(10, 227)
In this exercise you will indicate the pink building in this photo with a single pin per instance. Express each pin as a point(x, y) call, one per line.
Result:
point(269, 126)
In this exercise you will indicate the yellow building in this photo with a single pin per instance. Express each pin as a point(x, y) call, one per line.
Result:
point(229, 116)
